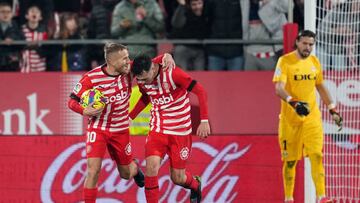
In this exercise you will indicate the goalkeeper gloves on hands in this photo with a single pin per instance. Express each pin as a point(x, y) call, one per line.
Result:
point(302, 108)
point(337, 118)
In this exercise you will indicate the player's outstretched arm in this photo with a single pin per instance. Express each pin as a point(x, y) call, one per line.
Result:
point(326, 97)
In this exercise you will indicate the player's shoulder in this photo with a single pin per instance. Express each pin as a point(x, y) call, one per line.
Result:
point(314, 59)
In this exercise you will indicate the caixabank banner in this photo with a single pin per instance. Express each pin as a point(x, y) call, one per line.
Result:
point(53, 168)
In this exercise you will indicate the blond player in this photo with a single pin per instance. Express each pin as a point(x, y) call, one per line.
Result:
point(297, 77)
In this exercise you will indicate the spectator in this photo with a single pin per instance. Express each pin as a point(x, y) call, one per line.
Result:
point(9, 31)
point(226, 23)
point(340, 50)
point(265, 21)
point(189, 21)
point(33, 59)
point(99, 28)
point(68, 57)
point(137, 20)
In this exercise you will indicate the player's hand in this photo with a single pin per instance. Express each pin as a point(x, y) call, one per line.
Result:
point(337, 118)
point(302, 108)
point(168, 61)
point(91, 111)
point(203, 130)
point(126, 23)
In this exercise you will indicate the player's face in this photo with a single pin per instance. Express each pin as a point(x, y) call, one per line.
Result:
point(305, 46)
point(120, 61)
point(147, 77)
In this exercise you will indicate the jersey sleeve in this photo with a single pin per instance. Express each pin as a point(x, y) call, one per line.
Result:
point(319, 75)
point(83, 85)
point(280, 74)
point(158, 59)
point(181, 78)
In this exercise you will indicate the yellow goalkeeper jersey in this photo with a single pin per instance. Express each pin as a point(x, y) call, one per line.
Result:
point(300, 77)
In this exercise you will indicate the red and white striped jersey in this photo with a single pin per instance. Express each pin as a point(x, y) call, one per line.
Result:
point(31, 60)
point(170, 112)
point(117, 90)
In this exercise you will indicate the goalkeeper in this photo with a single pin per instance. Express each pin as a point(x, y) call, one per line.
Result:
point(297, 77)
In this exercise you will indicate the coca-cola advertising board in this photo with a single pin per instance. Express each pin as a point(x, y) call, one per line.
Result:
point(52, 169)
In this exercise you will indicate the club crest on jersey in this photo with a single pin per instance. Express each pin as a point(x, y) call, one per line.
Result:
point(184, 153)
point(166, 86)
point(313, 69)
point(128, 149)
point(77, 88)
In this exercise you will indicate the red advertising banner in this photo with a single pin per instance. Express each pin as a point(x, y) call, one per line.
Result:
point(38, 104)
point(52, 169)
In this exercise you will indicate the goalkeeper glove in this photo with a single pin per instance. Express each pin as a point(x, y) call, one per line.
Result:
point(337, 118)
point(302, 108)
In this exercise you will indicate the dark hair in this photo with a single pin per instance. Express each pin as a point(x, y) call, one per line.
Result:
point(306, 33)
point(141, 63)
point(3, 4)
point(111, 47)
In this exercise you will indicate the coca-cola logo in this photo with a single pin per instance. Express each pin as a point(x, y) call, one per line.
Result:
point(64, 178)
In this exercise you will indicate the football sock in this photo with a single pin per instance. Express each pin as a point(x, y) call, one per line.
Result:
point(190, 182)
point(289, 170)
point(318, 174)
point(89, 195)
point(151, 189)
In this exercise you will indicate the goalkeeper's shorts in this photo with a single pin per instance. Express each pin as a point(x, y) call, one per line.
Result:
point(297, 141)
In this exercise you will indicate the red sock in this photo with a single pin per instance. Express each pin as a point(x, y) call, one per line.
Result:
point(190, 182)
point(152, 189)
point(89, 195)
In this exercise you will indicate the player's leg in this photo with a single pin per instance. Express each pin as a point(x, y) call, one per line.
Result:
point(155, 150)
point(95, 150)
point(180, 148)
point(313, 145)
point(119, 148)
point(291, 147)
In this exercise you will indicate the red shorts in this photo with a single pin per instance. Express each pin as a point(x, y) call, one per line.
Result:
point(177, 147)
point(118, 145)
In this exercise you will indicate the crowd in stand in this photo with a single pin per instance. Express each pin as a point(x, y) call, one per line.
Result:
point(39, 20)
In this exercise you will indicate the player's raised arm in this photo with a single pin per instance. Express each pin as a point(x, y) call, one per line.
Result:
point(165, 60)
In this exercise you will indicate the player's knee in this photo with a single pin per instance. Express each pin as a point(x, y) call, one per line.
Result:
point(125, 174)
point(93, 173)
point(177, 178)
point(315, 157)
point(152, 169)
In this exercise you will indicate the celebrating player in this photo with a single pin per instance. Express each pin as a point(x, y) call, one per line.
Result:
point(170, 125)
point(297, 77)
point(109, 126)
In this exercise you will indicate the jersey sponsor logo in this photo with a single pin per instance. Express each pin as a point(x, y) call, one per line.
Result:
point(77, 88)
point(184, 153)
point(300, 77)
point(117, 97)
point(162, 100)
